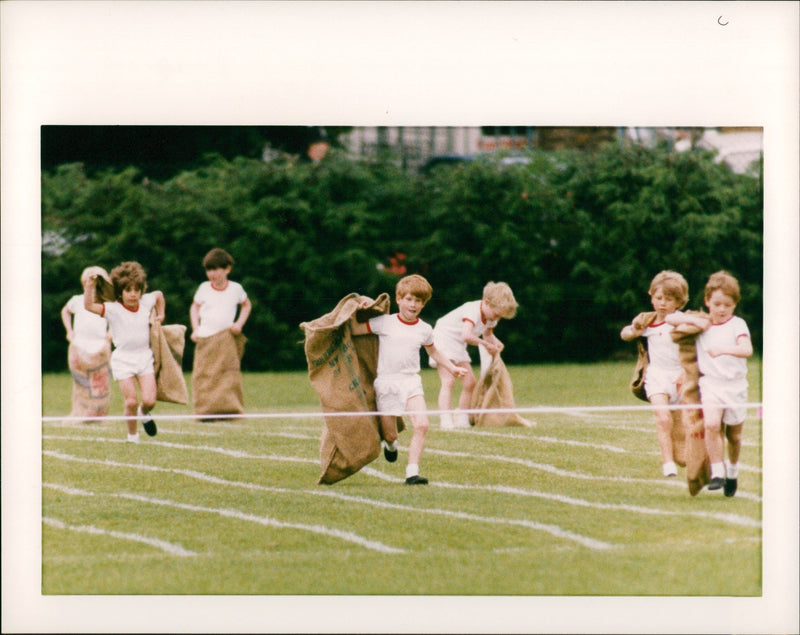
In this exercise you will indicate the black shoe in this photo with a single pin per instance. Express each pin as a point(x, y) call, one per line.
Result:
point(730, 487)
point(716, 483)
point(416, 480)
point(389, 455)
point(150, 427)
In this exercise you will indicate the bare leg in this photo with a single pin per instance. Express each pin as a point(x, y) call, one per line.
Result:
point(664, 423)
point(419, 419)
point(131, 401)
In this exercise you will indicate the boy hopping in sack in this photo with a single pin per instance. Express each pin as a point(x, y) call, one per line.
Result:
point(217, 333)
point(88, 353)
point(472, 323)
point(132, 359)
point(398, 385)
point(663, 378)
point(722, 351)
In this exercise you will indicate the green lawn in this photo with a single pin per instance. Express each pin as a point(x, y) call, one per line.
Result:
point(573, 506)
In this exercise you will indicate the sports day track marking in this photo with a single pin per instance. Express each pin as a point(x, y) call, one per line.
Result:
point(163, 545)
point(347, 536)
point(552, 469)
point(722, 517)
point(554, 530)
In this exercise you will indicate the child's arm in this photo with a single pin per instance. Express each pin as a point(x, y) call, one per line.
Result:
point(90, 302)
point(356, 327)
point(244, 312)
point(160, 307)
point(742, 348)
point(194, 318)
point(630, 333)
point(491, 343)
point(444, 362)
point(66, 318)
point(679, 318)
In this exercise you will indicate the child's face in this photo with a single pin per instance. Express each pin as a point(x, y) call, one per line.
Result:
point(720, 306)
point(489, 312)
point(662, 303)
point(218, 277)
point(409, 306)
point(131, 296)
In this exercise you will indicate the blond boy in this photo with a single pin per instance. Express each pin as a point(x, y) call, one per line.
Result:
point(472, 324)
point(669, 292)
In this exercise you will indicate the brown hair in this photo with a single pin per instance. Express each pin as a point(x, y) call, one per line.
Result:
point(673, 284)
point(128, 274)
point(217, 259)
point(725, 282)
point(416, 285)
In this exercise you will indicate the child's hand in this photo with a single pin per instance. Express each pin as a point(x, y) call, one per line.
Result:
point(459, 371)
point(236, 329)
point(158, 319)
point(193, 337)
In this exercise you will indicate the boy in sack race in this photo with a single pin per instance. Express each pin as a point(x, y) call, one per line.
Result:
point(89, 349)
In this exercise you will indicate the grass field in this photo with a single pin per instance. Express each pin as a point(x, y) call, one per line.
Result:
point(573, 506)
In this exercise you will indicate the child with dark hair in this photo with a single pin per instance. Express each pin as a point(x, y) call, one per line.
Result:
point(217, 333)
point(132, 360)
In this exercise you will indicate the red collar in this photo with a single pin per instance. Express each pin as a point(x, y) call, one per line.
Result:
point(407, 323)
point(227, 282)
point(136, 310)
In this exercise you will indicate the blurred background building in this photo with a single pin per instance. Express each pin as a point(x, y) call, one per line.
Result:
point(413, 147)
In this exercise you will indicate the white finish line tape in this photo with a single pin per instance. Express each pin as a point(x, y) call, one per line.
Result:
point(361, 413)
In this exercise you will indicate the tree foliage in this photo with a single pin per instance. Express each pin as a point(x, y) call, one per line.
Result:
point(578, 236)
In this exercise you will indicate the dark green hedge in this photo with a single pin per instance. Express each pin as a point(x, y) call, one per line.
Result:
point(578, 236)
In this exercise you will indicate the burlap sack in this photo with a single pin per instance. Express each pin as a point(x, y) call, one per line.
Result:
point(698, 467)
point(216, 374)
point(167, 343)
point(342, 370)
point(495, 390)
point(641, 321)
point(90, 381)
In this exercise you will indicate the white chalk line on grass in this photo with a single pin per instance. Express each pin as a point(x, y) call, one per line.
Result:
point(239, 454)
point(554, 530)
point(170, 548)
point(347, 536)
point(571, 410)
point(552, 469)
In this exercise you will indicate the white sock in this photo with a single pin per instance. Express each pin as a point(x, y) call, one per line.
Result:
point(446, 420)
point(391, 446)
point(732, 470)
point(670, 469)
point(412, 469)
point(133, 438)
point(718, 470)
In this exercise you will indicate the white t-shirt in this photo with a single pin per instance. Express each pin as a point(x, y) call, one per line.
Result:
point(130, 330)
point(89, 329)
point(217, 307)
point(662, 350)
point(399, 343)
point(723, 335)
point(447, 332)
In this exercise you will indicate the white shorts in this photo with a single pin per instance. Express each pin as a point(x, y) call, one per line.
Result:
point(392, 393)
point(456, 352)
point(662, 382)
point(723, 392)
point(125, 364)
